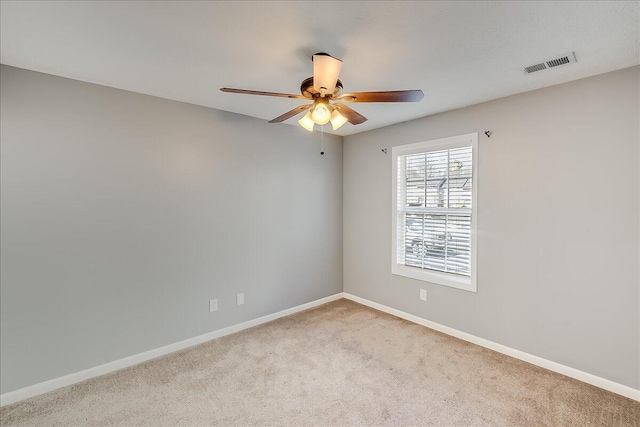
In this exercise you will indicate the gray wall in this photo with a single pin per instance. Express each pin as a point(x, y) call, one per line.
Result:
point(558, 224)
point(123, 214)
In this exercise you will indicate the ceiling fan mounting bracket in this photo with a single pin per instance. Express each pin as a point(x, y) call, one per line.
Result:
point(320, 54)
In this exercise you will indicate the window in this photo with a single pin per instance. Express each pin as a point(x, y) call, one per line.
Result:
point(434, 211)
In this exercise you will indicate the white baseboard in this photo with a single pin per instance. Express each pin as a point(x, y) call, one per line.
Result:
point(56, 383)
point(614, 387)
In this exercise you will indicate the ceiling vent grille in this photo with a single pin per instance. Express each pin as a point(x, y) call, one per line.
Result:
point(569, 58)
point(534, 68)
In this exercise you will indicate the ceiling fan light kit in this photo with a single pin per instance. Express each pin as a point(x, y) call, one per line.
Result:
point(325, 87)
point(337, 120)
point(307, 122)
point(321, 114)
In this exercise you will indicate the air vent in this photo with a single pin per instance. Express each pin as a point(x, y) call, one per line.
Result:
point(561, 60)
point(534, 68)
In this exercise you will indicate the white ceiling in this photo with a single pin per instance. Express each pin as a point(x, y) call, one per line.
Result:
point(458, 53)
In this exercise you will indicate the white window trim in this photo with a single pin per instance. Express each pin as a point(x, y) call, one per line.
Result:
point(441, 278)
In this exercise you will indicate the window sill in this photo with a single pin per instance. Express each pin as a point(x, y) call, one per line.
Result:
point(446, 279)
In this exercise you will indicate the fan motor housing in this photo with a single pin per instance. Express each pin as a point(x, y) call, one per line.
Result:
point(307, 90)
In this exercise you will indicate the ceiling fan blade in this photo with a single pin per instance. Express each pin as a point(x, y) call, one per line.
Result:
point(257, 92)
point(291, 113)
point(384, 96)
point(352, 116)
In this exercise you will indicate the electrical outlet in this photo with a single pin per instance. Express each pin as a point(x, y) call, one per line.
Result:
point(423, 294)
point(213, 305)
point(240, 298)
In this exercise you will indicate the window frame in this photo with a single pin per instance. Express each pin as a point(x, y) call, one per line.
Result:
point(467, 283)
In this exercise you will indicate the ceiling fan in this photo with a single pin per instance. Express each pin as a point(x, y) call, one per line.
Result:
point(324, 90)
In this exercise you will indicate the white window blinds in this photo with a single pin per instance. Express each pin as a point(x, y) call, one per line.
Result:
point(434, 209)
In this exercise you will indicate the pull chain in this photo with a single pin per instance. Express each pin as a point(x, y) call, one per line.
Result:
point(322, 140)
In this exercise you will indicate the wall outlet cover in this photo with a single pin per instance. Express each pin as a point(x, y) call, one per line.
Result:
point(423, 294)
point(213, 305)
point(240, 298)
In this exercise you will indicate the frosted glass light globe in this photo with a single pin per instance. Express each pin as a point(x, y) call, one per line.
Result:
point(321, 114)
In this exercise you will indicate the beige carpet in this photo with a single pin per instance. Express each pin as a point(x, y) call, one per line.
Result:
point(339, 364)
